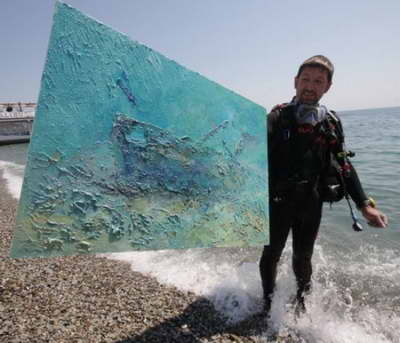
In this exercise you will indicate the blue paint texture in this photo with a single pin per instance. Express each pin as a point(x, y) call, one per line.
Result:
point(131, 151)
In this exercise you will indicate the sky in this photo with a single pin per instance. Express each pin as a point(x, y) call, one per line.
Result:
point(253, 47)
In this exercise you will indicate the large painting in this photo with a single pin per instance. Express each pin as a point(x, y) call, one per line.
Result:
point(132, 151)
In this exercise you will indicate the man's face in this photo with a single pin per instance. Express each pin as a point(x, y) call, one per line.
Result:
point(311, 85)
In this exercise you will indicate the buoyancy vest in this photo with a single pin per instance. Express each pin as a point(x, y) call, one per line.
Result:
point(302, 157)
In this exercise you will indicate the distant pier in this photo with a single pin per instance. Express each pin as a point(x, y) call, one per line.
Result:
point(16, 120)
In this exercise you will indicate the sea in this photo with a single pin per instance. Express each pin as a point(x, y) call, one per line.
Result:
point(356, 279)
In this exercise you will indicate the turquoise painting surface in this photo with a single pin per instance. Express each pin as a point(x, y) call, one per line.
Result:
point(132, 151)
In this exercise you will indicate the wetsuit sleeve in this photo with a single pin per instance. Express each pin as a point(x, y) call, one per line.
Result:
point(352, 181)
point(354, 187)
point(272, 121)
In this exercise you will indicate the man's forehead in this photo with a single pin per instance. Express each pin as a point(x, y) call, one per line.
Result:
point(317, 71)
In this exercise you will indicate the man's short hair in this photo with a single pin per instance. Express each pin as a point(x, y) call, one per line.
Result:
point(318, 61)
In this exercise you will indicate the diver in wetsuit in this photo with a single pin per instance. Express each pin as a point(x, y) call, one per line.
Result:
point(304, 140)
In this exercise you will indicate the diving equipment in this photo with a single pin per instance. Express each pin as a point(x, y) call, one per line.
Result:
point(310, 114)
point(369, 202)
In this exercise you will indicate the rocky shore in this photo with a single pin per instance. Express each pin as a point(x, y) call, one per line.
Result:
point(94, 299)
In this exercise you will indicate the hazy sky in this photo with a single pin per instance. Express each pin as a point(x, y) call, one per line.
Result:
point(253, 47)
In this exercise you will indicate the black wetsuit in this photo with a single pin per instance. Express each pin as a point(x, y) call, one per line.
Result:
point(297, 161)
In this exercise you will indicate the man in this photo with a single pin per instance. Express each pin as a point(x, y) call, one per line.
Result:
point(305, 141)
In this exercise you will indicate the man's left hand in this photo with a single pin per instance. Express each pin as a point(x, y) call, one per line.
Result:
point(374, 217)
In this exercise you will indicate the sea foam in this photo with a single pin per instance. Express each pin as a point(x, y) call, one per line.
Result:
point(13, 174)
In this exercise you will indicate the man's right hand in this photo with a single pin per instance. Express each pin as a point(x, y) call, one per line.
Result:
point(374, 217)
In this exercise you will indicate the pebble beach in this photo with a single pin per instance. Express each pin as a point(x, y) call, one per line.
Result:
point(95, 299)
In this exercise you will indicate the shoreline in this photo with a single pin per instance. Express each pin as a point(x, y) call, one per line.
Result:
point(95, 299)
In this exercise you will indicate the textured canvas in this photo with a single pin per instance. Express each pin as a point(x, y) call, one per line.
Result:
point(131, 151)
